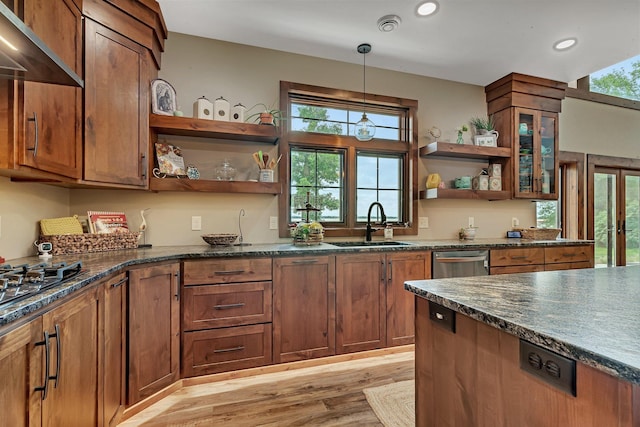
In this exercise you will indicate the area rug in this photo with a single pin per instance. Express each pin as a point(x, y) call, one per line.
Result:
point(394, 404)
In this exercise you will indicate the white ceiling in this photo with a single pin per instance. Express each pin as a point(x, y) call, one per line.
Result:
point(470, 41)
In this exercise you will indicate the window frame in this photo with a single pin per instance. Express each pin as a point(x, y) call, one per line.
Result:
point(409, 148)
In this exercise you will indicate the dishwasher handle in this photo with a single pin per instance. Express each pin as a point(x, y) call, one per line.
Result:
point(462, 259)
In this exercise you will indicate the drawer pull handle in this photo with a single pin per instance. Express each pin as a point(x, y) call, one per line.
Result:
point(228, 272)
point(305, 261)
point(228, 306)
point(519, 257)
point(439, 316)
point(227, 350)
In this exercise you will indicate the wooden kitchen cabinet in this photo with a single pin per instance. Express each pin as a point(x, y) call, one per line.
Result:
point(525, 112)
point(403, 266)
point(516, 260)
point(43, 122)
point(73, 401)
point(361, 315)
point(569, 257)
point(21, 372)
point(373, 310)
point(154, 329)
point(118, 75)
point(63, 344)
point(304, 293)
point(525, 260)
point(113, 360)
point(226, 315)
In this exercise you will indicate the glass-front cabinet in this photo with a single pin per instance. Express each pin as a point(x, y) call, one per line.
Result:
point(535, 154)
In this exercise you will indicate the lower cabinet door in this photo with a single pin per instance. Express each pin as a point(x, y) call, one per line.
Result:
point(154, 330)
point(226, 349)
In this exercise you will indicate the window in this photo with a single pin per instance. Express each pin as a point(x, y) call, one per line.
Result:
point(617, 85)
point(338, 175)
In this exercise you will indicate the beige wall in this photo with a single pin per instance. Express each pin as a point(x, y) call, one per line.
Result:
point(197, 67)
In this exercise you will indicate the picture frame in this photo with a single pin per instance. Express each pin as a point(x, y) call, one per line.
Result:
point(163, 97)
point(485, 140)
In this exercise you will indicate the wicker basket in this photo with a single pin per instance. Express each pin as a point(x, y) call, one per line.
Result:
point(539, 233)
point(85, 243)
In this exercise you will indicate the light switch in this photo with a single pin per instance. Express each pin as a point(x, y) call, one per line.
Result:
point(273, 223)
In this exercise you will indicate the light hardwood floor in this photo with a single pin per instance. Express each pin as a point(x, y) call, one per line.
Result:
point(324, 395)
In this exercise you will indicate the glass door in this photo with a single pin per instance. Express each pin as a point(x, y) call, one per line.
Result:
point(525, 183)
point(615, 217)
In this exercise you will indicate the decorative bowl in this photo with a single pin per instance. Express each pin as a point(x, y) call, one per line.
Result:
point(219, 239)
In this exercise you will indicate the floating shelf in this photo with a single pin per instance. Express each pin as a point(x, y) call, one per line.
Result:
point(185, 184)
point(465, 151)
point(235, 131)
point(451, 193)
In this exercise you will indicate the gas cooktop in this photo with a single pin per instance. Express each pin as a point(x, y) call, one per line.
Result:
point(21, 281)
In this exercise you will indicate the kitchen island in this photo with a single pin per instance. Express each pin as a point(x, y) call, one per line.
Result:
point(577, 332)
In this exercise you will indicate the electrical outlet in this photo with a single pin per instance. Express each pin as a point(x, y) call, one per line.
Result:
point(273, 223)
point(515, 222)
point(196, 223)
point(471, 222)
point(423, 222)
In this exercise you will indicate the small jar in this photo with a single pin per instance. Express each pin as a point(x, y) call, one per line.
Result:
point(221, 109)
point(225, 171)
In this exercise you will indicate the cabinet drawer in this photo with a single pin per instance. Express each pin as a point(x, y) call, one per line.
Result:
point(568, 265)
point(227, 349)
point(214, 306)
point(226, 271)
point(565, 254)
point(516, 269)
point(518, 256)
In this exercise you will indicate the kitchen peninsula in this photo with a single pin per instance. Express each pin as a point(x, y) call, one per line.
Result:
point(474, 335)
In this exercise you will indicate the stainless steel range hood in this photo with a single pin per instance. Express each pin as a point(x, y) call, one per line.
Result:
point(23, 56)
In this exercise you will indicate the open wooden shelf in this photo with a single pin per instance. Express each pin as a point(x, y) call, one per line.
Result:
point(454, 193)
point(235, 131)
point(465, 151)
point(202, 185)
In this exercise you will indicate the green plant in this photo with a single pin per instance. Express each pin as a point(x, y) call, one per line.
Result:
point(278, 115)
point(480, 123)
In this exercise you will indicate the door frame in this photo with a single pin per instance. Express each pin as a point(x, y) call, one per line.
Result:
point(621, 166)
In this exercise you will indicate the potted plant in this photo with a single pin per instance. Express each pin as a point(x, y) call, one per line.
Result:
point(266, 116)
point(482, 126)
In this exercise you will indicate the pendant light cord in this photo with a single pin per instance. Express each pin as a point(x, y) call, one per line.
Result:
point(364, 82)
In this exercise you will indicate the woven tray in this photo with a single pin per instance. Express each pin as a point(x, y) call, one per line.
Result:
point(539, 233)
point(85, 243)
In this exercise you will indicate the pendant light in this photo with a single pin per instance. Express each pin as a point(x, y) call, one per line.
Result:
point(365, 128)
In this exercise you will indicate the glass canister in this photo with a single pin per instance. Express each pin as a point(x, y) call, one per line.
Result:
point(221, 109)
point(225, 171)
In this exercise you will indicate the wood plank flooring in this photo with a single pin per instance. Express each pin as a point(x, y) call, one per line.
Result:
point(325, 395)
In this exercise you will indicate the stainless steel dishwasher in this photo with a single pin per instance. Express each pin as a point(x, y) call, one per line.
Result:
point(460, 263)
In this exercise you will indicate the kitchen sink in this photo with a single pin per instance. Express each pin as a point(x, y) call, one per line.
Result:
point(367, 244)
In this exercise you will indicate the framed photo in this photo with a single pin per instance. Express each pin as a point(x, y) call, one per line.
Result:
point(485, 141)
point(163, 97)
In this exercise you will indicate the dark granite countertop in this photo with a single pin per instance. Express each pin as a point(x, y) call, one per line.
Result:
point(99, 265)
point(590, 315)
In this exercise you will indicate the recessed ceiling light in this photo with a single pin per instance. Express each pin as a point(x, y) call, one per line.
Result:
point(427, 8)
point(565, 44)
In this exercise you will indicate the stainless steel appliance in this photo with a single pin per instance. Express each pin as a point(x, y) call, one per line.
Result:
point(460, 263)
point(21, 281)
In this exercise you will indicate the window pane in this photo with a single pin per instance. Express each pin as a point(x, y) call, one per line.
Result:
point(604, 214)
point(621, 80)
point(317, 177)
point(379, 178)
point(632, 220)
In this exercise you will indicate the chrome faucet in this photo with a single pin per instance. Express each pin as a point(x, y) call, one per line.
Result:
point(384, 220)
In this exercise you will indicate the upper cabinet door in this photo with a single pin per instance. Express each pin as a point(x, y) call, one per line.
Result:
point(116, 108)
point(535, 154)
point(49, 116)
